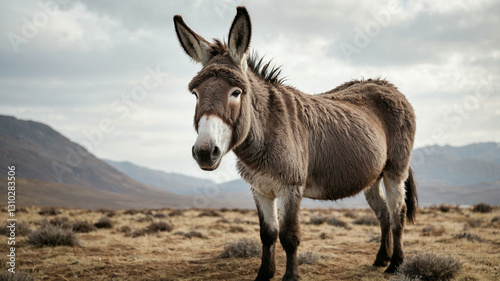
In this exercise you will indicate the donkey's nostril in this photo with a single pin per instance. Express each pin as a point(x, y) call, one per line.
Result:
point(216, 152)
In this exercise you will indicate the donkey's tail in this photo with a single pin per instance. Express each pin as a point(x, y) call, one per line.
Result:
point(411, 197)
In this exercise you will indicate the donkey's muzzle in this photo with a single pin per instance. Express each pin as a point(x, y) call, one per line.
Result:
point(207, 155)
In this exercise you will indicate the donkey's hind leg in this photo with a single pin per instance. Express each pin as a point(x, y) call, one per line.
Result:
point(395, 191)
point(376, 200)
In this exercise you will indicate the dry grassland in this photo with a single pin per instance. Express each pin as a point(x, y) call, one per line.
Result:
point(187, 244)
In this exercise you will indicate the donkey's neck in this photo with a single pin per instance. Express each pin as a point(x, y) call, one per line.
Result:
point(276, 129)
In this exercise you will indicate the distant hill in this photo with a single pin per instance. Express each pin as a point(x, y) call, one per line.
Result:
point(445, 174)
point(170, 182)
point(57, 171)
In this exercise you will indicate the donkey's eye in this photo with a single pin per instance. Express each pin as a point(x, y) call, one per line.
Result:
point(236, 93)
point(195, 94)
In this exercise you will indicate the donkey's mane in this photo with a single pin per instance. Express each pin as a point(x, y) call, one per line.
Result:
point(264, 70)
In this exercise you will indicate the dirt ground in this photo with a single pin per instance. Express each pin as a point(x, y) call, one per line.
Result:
point(345, 253)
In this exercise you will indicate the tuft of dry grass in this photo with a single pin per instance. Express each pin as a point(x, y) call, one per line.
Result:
point(22, 229)
point(430, 267)
point(470, 237)
point(236, 229)
point(317, 220)
point(338, 223)
point(366, 220)
point(495, 219)
point(50, 211)
point(482, 208)
point(159, 226)
point(62, 222)
point(308, 258)
point(53, 236)
point(104, 222)
point(194, 234)
point(244, 248)
point(209, 213)
point(18, 276)
point(176, 213)
point(82, 226)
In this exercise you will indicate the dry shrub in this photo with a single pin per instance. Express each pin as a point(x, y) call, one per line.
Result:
point(175, 213)
point(195, 234)
point(51, 235)
point(61, 222)
point(324, 235)
point(470, 237)
point(223, 220)
point(367, 220)
point(125, 229)
point(236, 229)
point(495, 219)
point(18, 276)
point(104, 222)
point(351, 214)
point(317, 220)
point(338, 223)
point(159, 226)
point(482, 208)
point(82, 226)
point(154, 227)
point(444, 208)
point(431, 230)
point(245, 248)
point(430, 267)
point(209, 213)
point(160, 216)
point(22, 229)
point(308, 258)
point(49, 211)
point(474, 223)
point(131, 212)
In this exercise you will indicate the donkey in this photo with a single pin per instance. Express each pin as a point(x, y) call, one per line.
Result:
point(292, 145)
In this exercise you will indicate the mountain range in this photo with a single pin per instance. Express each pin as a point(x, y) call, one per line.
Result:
point(54, 171)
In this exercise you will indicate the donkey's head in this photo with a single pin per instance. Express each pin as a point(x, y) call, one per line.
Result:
point(221, 89)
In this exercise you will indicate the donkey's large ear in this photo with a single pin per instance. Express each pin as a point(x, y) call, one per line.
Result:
point(239, 36)
point(194, 45)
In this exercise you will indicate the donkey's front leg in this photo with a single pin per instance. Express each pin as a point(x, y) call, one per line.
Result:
point(266, 208)
point(289, 205)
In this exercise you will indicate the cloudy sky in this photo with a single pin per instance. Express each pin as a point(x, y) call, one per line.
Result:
point(111, 75)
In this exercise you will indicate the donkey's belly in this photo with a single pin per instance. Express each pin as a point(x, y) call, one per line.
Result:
point(331, 192)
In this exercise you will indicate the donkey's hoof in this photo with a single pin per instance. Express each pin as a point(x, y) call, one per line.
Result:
point(290, 277)
point(380, 263)
point(391, 269)
point(259, 278)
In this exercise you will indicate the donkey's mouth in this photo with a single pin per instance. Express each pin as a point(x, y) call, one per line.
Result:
point(211, 168)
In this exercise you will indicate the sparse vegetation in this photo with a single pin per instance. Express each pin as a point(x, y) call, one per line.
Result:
point(159, 226)
point(82, 226)
point(209, 213)
point(308, 258)
point(175, 213)
point(430, 267)
point(367, 220)
point(22, 229)
point(482, 208)
point(317, 220)
point(18, 276)
point(338, 223)
point(49, 212)
point(445, 208)
point(192, 249)
point(470, 237)
point(104, 222)
point(51, 235)
point(62, 222)
point(244, 248)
